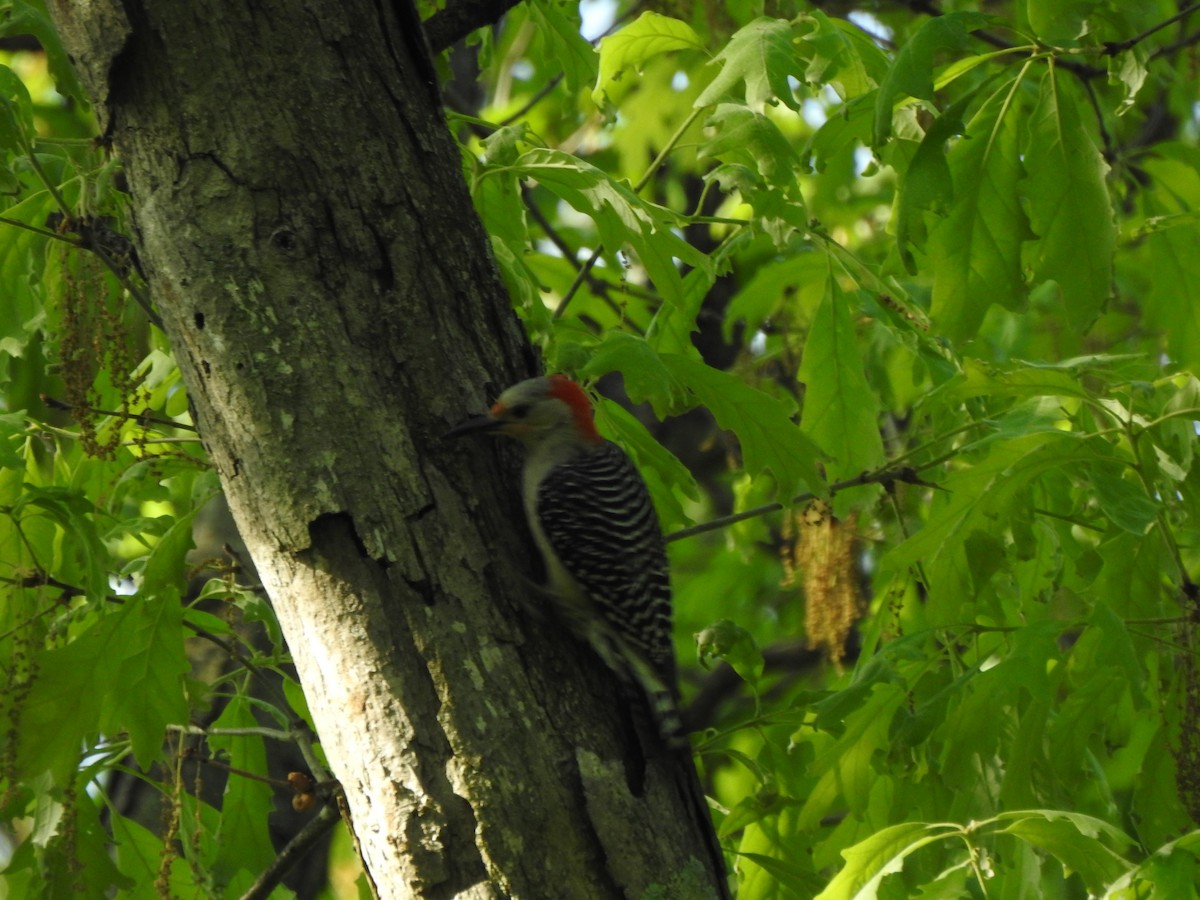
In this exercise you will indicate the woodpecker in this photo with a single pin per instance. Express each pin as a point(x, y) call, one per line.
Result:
point(593, 520)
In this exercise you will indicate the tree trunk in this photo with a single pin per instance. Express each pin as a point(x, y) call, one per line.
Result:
point(330, 298)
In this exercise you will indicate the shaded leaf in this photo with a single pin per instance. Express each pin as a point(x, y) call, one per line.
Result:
point(911, 74)
point(751, 139)
point(841, 412)
point(763, 425)
point(976, 248)
point(1069, 205)
point(840, 54)
point(243, 841)
point(30, 17)
point(147, 694)
point(729, 641)
point(1072, 839)
point(1059, 21)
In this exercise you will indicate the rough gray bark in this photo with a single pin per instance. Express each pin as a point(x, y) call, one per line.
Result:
point(327, 291)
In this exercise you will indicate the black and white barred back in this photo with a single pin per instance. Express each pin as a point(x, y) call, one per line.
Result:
point(607, 536)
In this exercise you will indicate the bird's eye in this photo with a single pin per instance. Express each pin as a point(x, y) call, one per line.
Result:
point(520, 411)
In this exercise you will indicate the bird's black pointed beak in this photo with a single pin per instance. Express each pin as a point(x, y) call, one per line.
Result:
point(474, 425)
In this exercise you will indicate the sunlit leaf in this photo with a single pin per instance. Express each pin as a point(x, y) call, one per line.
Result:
point(881, 854)
point(558, 30)
point(760, 58)
point(621, 216)
point(623, 53)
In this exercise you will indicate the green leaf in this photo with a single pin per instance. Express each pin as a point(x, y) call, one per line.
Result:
point(883, 853)
point(795, 282)
point(124, 673)
point(671, 382)
point(1123, 501)
point(1129, 69)
point(297, 700)
point(1018, 379)
point(243, 843)
point(971, 500)
point(843, 131)
point(214, 588)
point(1073, 839)
point(30, 17)
point(777, 213)
point(647, 378)
point(66, 701)
point(16, 113)
point(761, 56)
point(786, 873)
point(762, 424)
point(1171, 228)
point(1059, 21)
point(165, 567)
point(82, 845)
point(1068, 204)
point(729, 641)
point(751, 139)
point(631, 47)
point(83, 558)
point(841, 412)
point(139, 855)
point(12, 439)
point(621, 216)
point(911, 75)
point(841, 55)
point(561, 41)
point(847, 770)
point(927, 183)
point(147, 693)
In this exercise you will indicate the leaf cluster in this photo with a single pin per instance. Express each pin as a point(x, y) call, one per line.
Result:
point(910, 261)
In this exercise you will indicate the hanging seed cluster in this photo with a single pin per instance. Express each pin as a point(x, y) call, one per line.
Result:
point(818, 554)
point(95, 349)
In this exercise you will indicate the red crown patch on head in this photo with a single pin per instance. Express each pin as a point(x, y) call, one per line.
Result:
point(577, 399)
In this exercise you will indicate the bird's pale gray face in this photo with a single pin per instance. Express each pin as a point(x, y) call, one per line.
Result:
point(525, 411)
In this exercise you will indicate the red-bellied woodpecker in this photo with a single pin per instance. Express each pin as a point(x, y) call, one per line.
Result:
point(594, 523)
point(593, 520)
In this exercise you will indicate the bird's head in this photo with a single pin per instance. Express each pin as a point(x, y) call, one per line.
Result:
point(536, 409)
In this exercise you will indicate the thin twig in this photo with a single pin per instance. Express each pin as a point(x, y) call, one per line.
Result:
point(41, 232)
point(886, 477)
point(143, 418)
point(1112, 48)
point(305, 839)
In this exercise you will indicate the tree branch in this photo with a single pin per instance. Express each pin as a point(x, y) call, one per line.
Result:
point(885, 477)
point(1112, 48)
point(448, 26)
point(305, 839)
